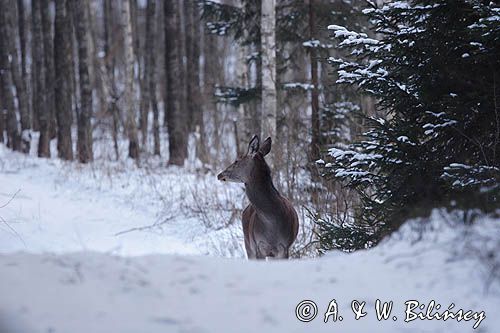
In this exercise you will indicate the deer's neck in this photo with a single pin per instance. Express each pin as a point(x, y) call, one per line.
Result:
point(263, 195)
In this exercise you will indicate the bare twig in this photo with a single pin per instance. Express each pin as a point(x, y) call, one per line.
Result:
point(146, 227)
point(7, 224)
point(12, 198)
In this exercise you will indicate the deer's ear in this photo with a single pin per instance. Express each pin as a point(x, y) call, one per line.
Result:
point(253, 146)
point(266, 146)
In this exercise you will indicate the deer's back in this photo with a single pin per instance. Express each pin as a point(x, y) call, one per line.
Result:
point(284, 225)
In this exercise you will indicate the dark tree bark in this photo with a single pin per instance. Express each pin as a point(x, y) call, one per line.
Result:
point(16, 73)
point(40, 107)
point(175, 111)
point(314, 152)
point(84, 142)
point(22, 36)
point(112, 107)
point(2, 116)
point(48, 50)
point(25, 109)
point(211, 73)
point(62, 64)
point(170, 60)
point(150, 77)
point(13, 135)
point(73, 84)
point(147, 72)
point(190, 74)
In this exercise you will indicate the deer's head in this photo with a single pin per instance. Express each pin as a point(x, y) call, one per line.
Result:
point(248, 166)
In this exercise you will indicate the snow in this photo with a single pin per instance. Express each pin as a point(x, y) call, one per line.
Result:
point(65, 207)
point(298, 85)
point(65, 268)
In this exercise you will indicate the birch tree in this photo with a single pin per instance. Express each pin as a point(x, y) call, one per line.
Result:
point(130, 101)
point(268, 54)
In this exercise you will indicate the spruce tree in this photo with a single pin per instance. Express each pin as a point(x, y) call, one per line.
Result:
point(434, 71)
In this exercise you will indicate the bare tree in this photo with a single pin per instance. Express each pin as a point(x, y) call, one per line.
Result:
point(2, 116)
point(150, 70)
point(84, 143)
point(48, 58)
point(314, 152)
point(175, 111)
point(40, 107)
point(21, 78)
point(109, 72)
point(22, 38)
point(269, 107)
point(190, 66)
point(17, 76)
point(13, 136)
point(146, 73)
point(197, 109)
point(62, 65)
point(130, 101)
point(268, 41)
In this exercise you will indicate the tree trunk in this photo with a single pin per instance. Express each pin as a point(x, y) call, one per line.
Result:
point(210, 74)
point(13, 136)
point(175, 111)
point(22, 37)
point(198, 119)
point(48, 50)
point(150, 69)
point(37, 78)
point(2, 116)
point(109, 71)
point(96, 76)
point(268, 41)
point(22, 82)
point(84, 143)
point(10, 44)
point(62, 65)
point(133, 148)
point(40, 105)
point(314, 152)
point(190, 74)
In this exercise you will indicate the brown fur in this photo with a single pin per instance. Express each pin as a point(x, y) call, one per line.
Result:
point(270, 223)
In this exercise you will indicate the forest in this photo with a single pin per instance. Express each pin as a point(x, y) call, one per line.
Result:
point(384, 118)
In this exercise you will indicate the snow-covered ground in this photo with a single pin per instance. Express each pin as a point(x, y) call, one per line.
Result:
point(75, 257)
point(115, 208)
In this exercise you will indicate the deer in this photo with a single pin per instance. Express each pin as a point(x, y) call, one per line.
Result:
point(270, 223)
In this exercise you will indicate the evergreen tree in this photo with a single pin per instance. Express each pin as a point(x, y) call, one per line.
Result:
point(434, 71)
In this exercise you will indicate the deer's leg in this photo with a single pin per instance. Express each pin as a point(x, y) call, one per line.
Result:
point(247, 230)
point(266, 250)
point(251, 254)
